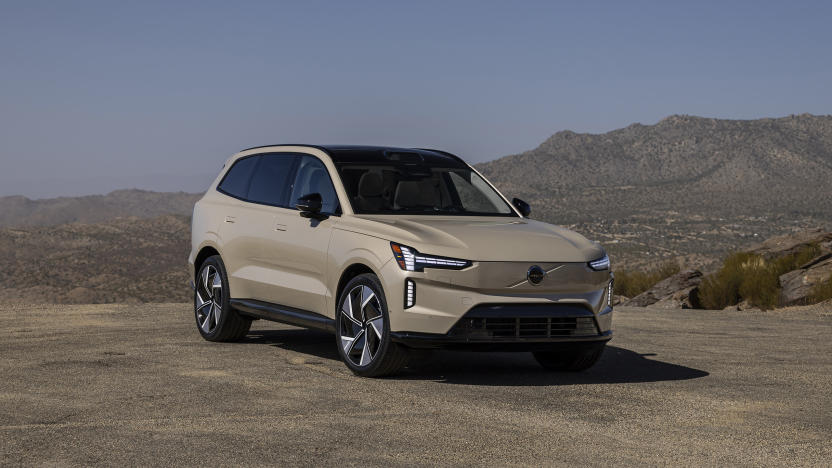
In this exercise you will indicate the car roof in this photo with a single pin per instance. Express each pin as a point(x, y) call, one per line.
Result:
point(364, 154)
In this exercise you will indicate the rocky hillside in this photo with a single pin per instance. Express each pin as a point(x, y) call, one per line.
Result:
point(18, 211)
point(125, 260)
point(687, 184)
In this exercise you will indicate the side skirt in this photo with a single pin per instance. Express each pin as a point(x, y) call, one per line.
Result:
point(284, 314)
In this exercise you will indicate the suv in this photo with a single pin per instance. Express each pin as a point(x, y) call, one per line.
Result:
point(391, 250)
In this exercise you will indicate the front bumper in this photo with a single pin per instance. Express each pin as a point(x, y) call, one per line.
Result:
point(517, 327)
point(445, 299)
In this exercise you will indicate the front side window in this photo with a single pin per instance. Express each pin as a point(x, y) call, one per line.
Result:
point(416, 189)
point(270, 182)
point(312, 177)
point(235, 182)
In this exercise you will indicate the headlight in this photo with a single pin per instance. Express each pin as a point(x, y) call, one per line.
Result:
point(411, 260)
point(602, 263)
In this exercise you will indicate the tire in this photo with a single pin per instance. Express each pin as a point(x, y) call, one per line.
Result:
point(212, 301)
point(361, 312)
point(572, 359)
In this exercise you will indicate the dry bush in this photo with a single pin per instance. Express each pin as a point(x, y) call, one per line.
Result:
point(633, 283)
point(750, 277)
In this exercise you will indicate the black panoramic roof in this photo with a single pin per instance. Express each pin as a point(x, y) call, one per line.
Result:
point(359, 154)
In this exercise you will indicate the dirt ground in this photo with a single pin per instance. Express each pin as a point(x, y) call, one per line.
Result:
point(136, 385)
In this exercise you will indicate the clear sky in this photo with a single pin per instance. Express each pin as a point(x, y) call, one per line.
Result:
point(99, 95)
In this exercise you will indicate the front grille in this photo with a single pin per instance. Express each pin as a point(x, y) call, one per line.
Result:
point(518, 328)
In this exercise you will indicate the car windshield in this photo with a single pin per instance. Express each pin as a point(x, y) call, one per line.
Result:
point(420, 190)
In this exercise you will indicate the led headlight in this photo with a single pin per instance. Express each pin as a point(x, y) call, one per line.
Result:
point(602, 263)
point(410, 259)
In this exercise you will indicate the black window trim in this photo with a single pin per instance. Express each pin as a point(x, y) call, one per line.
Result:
point(293, 173)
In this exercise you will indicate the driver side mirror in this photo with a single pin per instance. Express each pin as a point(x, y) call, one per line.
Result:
point(310, 206)
point(522, 207)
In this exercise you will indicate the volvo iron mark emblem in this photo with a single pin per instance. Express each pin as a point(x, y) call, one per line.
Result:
point(535, 274)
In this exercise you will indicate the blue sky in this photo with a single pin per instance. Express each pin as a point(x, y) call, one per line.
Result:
point(96, 96)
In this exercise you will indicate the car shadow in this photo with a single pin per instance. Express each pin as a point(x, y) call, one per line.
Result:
point(617, 365)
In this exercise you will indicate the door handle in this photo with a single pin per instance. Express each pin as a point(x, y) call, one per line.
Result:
point(279, 227)
point(229, 219)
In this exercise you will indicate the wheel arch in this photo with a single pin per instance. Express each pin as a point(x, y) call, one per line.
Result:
point(204, 253)
point(350, 272)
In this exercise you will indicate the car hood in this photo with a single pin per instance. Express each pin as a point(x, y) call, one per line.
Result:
point(478, 238)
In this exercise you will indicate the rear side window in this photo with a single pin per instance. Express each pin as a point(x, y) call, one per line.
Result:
point(235, 182)
point(270, 183)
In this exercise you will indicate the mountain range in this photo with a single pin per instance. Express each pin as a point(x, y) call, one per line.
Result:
point(687, 190)
point(19, 211)
point(686, 185)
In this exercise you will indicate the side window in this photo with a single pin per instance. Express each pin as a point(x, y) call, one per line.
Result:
point(235, 182)
point(270, 182)
point(312, 177)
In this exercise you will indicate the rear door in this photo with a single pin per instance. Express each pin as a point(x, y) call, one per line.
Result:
point(255, 255)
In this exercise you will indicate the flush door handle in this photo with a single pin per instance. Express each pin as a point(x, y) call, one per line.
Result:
point(230, 219)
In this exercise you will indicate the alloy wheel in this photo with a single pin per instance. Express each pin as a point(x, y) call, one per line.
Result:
point(362, 325)
point(209, 299)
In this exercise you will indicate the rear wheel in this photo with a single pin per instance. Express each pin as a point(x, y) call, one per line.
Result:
point(215, 319)
point(363, 329)
point(572, 359)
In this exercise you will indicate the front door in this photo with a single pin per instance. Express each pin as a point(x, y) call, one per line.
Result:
point(286, 253)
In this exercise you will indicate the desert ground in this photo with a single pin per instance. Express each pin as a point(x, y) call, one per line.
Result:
point(136, 385)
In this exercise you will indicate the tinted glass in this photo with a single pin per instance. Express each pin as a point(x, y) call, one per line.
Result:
point(312, 177)
point(270, 182)
point(421, 190)
point(235, 182)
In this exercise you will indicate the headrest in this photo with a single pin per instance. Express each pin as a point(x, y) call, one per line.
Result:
point(411, 193)
point(370, 185)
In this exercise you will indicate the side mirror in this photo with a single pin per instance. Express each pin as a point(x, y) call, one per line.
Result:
point(522, 207)
point(310, 206)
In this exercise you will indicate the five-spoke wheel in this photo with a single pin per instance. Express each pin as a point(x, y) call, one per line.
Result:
point(215, 319)
point(362, 325)
point(362, 329)
point(209, 299)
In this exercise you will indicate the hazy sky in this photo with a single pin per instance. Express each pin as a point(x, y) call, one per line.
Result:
point(96, 96)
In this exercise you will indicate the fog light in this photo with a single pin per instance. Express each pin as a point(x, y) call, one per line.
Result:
point(409, 294)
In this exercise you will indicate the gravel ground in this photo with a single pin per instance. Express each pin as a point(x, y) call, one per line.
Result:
point(136, 385)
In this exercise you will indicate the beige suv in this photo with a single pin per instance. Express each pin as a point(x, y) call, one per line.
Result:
point(392, 249)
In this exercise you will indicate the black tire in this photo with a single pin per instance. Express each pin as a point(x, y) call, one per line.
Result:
point(574, 358)
point(232, 326)
point(389, 357)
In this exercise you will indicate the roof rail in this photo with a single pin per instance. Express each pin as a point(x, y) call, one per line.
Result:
point(450, 155)
point(287, 144)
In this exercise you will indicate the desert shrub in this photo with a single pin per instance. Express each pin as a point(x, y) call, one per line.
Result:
point(746, 276)
point(822, 291)
point(633, 283)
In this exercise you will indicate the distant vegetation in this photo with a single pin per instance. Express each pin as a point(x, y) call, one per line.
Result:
point(632, 283)
point(751, 277)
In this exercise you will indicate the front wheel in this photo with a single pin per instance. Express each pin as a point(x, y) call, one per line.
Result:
point(575, 358)
point(363, 330)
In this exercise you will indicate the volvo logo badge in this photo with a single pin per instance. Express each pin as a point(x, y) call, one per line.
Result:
point(535, 274)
